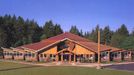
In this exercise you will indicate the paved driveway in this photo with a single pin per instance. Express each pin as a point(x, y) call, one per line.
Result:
point(128, 67)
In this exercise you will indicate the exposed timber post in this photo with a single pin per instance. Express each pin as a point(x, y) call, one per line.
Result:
point(98, 66)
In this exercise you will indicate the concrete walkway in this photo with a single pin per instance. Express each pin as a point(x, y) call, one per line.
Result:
point(65, 64)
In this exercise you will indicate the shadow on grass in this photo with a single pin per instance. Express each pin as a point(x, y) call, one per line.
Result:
point(16, 68)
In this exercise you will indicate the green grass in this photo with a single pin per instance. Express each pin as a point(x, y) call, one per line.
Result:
point(7, 68)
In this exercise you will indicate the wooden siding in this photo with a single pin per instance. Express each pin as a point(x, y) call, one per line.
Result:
point(52, 50)
point(81, 50)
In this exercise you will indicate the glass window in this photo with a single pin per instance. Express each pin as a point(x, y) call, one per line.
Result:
point(4, 53)
point(50, 55)
point(114, 54)
point(41, 55)
point(128, 52)
point(20, 54)
point(29, 54)
point(17, 53)
point(91, 55)
point(32, 54)
point(44, 55)
point(7, 53)
point(10, 53)
point(26, 54)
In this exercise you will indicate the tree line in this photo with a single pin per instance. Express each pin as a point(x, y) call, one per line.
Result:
point(15, 31)
point(121, 38)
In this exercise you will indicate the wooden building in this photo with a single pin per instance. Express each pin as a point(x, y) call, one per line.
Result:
point(66, 47)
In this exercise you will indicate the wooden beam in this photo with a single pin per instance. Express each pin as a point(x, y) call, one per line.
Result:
point(98, 47)
point(69, 58)
point(109, 56)
point(74, 58)
point(57, 58)
point(62, 57)
point(98, 67)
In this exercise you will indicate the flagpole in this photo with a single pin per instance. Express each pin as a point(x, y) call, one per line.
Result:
point(98, 66)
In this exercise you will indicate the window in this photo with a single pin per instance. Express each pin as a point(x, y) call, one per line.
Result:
point(4, 53)
point(50, 55)
point(44, 55)
point(29, 54)
point(20, 54)
point(17, 53)
point(91, 55)
point(115, 54)
point(128, 52)
point(125, 54)
point(32, 54)
point(7, 53)
point(87, 55)
point(10, 54)
point(26, 54)
point(41, 55)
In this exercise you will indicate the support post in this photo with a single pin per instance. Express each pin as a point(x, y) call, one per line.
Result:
point(98, 66)
point(109, 56)
point(74, 58)
point(130, 55)
point(120, 55)
point(69, 58)
point(57, 58)
point(61, 57)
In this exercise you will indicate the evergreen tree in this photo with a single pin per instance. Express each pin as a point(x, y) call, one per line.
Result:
point(119, 36)
point(81, 33)
point(15, 31)
point(87, 35)
point(94, 34)
point(123, 30)
point(74, 30)
point(116, 40)
point(128, 43)
point(106, 35)
point(132, 33)
point(48, 29)
point(3, 36)
point(57, 30)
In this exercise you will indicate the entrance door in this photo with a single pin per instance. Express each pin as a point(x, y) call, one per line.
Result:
point(66, 57)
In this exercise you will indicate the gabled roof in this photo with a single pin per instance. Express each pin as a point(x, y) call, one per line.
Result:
point(75, 38)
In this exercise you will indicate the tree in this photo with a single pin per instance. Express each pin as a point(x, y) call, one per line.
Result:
point(128, 43)
point(106, 35)
point(3, 36)
point(81, 33)
point(48, 29)
point(57, 30)
point(132, 33)
point(123, 30)
point(116, 40)
point(74, 30)
point(15, 31)
point(94, 34)
point(119, 36)
point(43, 37)
point(86, 35)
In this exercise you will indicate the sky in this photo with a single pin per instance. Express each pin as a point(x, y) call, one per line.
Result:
point(85, 14)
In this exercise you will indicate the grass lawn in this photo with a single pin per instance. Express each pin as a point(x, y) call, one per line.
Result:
point(7, 68)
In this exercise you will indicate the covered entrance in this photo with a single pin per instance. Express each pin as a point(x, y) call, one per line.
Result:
point(65, 56)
